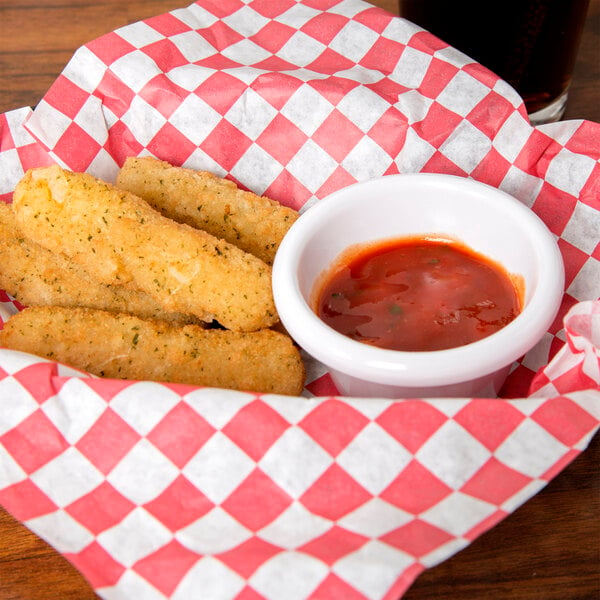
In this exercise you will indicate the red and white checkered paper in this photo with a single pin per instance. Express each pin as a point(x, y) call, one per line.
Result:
point(160, 491)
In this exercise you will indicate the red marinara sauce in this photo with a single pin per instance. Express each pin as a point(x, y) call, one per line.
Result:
point(417, 294)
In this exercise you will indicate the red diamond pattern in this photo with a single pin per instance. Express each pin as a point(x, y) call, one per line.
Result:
point(165, 568)
point(110, 48)
point(334, 494)
point(274, 63)
point(389, 90)
point(333, 88)
point(517, 383)
point(437, 77)
point(169, 142)
point(411, 423)
point(249, 594)
point(276, 88)
point(334, 544)
point(579, 141)
point(330, 61)
point(114, 94)
point(167, 24)
point(249, 556)
point(220, 91)
point(192, 432)
point(100, 568)
point(225, 8)
point(338, 179)
point(391, 120)
point(554, 207)
point(255, 428)
point(382, 56)
point(24, 500)
point(66, 95)
point(37, 380)
point(564, 419)
point(270, 9)
point(491, 113)
point(270, 139)
point(437, 124)
point(439, 163)
point(324, 26)
point(337, 135)
point(321, 4)
point(6, 138)
point(495, 482)
point(225, 144)
point(126, 146)
point(221, 36)
point(349, 422)
point(218, 62)
point(161, 92)
point(575, 378)
point(335, 587)
point(489, 421)
point(417, 538)
point(492, 169)
point(101, 508)
point(257, 501)
point(87, 147)
point(108, 441)
point(415, 489)
point(107, 389)
point(322, 386)
point(34, 442)
point(574, 260)
point(273, 36)
point(31, 154)
point(532, 152)
point(281, 186)
point(375, 18)
point(179, 505)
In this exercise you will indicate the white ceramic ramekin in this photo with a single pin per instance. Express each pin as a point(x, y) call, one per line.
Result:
point(484, 218)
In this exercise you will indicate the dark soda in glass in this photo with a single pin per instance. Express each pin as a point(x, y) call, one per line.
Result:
point(531, 44)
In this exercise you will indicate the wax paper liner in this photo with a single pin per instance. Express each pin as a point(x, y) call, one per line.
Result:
point(167, 491)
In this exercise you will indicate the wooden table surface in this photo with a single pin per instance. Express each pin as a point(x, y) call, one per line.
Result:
point(549, 549)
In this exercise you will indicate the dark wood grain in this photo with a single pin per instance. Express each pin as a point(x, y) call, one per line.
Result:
point(549, 549)
point(584, 97)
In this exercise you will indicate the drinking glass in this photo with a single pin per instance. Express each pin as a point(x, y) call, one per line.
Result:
point(531, 44)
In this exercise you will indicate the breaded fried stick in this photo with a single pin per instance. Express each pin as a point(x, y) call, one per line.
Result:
point(120, 239)
point(126, 347)
point(254, 223)
point(37, 277)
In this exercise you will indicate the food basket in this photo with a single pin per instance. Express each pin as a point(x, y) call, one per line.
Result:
point(158, 490)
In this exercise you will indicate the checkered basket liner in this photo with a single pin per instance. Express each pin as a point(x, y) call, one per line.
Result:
point(160, 491)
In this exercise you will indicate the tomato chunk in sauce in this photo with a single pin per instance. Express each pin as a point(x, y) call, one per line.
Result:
point(417, 294)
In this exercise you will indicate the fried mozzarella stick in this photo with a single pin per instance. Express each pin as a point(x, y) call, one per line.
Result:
point(126, 347)
point(121, 240)
point(201, 199)
point(37, 277)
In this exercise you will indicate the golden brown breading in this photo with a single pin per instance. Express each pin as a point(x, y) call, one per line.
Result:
point(121, 240)
point(126, 347)
point(254, 223)
point(37, 277)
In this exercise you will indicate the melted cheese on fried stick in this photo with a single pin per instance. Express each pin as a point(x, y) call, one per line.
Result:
point(125, 347)
point(121, 240)
point(254, 223)
point(37, 277)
